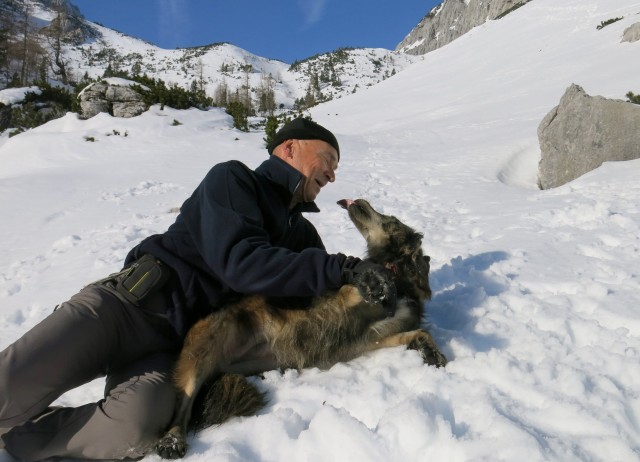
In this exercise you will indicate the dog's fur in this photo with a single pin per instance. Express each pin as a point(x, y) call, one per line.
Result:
point(257, 334)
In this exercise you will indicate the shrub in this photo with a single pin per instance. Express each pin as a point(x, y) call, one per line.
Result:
point(173, 96)
point(270, 129)
point(604, 24)
point(633, 98)
point(37, 109)
point(240, 114)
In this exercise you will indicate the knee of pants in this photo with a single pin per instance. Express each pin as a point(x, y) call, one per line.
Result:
point(141, 421)
point(9, 391)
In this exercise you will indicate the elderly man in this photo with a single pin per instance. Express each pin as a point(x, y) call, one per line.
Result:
point(241, 232)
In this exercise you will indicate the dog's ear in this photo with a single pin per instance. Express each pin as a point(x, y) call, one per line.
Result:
point(413, 245)
point(414, 242)
point(426, 259)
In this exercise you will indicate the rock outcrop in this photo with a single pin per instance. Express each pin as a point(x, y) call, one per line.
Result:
point(631, 33)
point(584, 131)
point(451, 19)
point(113, 98)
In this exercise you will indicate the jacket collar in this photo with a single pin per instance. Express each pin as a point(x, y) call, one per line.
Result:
point(279, 172)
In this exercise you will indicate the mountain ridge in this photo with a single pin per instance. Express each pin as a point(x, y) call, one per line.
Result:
point(88, 49)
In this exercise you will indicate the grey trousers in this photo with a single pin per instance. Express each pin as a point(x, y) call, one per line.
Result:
point(96, 333)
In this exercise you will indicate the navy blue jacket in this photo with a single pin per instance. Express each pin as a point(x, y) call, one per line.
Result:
point(236, 235)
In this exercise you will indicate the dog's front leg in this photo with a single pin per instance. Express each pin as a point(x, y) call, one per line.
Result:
point(419, 340)
point(173, 445)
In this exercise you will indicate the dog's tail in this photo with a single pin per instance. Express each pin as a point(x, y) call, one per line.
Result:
point(231, 395)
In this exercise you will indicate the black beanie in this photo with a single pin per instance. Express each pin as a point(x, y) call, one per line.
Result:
point(303, 129)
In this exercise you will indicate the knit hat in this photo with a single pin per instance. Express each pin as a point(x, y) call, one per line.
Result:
point(303, 129)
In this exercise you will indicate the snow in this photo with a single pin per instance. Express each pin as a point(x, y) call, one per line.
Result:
point(536, 293)
point(10, 96)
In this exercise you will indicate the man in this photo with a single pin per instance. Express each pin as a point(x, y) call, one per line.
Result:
point(240, 232)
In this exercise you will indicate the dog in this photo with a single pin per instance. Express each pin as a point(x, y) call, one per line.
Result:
point(258, 333)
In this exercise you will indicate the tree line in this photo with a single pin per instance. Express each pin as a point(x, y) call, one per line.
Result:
point(29, 54)
point(33, 55)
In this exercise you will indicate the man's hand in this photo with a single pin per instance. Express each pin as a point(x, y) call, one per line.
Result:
point(372, 280)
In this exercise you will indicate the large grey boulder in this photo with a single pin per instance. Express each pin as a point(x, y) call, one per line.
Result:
point(93, 100)
point(631, 33)
point(584, 131)
point(117, 100)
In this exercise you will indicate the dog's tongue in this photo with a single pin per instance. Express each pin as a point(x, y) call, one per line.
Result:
point(345, 203)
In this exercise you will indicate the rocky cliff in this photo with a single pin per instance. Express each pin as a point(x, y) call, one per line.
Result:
point(451, 19)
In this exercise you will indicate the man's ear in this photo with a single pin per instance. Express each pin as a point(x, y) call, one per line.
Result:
point(288, 148)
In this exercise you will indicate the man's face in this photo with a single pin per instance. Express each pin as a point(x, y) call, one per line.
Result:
point(317, 160)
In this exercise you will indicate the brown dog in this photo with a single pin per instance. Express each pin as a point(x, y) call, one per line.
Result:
point(257, 334)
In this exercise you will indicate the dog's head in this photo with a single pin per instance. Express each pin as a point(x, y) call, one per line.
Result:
point(393, 244)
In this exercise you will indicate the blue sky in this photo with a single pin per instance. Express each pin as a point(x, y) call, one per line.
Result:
point(278, 29)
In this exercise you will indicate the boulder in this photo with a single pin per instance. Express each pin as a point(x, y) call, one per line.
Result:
point(631, 33)
point(117, 100)
point(584, 131)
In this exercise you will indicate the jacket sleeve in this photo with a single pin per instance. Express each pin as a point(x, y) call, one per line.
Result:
point(227, 227)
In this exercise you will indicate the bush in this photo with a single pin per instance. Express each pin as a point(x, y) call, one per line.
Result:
point(635, 99)
point(37, 109)
point(604, 24)
point(240, 114)
point(172, 96)
point(270, 129)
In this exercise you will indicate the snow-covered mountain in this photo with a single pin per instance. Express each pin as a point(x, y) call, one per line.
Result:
point(91, 48)
point(347, 70)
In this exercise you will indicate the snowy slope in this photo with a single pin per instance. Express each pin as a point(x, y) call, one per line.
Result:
point(536, 293)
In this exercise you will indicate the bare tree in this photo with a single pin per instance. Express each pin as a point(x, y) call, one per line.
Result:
point(24, 52)
point(5, 34)
point(221, 94)
point(267, 95)
point(24, 24)
point(55, 37)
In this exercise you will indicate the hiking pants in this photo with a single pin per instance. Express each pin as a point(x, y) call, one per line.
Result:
point(96, 333)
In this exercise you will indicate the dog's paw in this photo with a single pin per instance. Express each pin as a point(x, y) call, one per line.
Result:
point(377, 287)
point(423, 343)
point(172, 446)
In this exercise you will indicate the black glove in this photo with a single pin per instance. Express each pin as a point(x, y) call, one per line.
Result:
point(373, 281)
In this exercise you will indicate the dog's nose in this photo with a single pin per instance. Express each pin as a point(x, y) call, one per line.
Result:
point(345, 203)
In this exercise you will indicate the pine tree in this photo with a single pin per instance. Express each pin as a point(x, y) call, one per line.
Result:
point(633, 98)
point(240, 115)
point(270, 129)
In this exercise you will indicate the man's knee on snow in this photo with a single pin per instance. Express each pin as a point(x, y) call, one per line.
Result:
point(142, 412)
